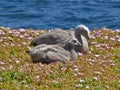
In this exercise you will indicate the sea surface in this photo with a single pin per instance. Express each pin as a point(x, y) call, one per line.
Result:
point(66, 14)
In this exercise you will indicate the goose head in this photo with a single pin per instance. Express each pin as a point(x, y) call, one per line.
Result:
point(82, 30)
point(72, 43)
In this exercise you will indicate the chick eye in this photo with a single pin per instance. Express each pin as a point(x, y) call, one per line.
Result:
point(74, 41)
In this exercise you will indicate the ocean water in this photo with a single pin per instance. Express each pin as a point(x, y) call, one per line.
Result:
point(66, 14)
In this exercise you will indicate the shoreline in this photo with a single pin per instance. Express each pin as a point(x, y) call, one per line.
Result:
point(9, 28)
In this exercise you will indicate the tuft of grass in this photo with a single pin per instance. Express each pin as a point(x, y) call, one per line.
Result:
point(99, 69)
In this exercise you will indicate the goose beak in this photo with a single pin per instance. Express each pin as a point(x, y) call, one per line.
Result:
point(28, 50)
point(79, 44)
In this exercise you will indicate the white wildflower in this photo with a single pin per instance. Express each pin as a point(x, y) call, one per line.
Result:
point(87, 87)
point(81, 80)
point(79, 86)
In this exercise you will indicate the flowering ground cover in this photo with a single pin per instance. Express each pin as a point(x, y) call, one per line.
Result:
point(99, 69)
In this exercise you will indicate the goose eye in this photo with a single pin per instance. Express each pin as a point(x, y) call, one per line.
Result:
point(74, 41)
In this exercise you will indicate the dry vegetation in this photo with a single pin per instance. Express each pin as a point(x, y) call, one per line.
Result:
point(99, 69)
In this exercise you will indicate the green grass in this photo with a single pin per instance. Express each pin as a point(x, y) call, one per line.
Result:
point(99, 69)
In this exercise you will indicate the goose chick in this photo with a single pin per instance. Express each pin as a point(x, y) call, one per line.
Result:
point(50, 53)
point(58, 37)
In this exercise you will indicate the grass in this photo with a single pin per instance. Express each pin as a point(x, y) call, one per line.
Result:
point(99, 69)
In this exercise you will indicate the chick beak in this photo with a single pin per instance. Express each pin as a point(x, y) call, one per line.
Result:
point(28, 51)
